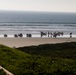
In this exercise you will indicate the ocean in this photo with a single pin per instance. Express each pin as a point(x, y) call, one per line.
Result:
point(15, 22)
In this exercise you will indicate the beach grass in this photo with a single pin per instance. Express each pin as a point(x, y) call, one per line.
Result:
point(47, 59)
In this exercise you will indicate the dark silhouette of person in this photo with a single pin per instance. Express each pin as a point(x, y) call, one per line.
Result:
point(15, 35)
point(5, 35)
point(71, 35)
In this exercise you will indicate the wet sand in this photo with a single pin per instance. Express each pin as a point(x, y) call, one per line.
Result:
point(20, 42)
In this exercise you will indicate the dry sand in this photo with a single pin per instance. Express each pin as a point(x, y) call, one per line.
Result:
point(20, 42)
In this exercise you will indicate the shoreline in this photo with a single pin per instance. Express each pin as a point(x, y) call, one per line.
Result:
point(21, 42)
point(38, 36)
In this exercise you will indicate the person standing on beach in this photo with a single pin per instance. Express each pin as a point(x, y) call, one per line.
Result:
point(71, 35)
point(48, 33)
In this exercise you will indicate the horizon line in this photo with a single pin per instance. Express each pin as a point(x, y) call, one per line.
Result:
point(39, 11)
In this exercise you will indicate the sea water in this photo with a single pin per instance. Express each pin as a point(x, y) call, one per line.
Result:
point(15, 22)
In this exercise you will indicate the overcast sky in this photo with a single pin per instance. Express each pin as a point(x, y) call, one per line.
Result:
point(39, 5)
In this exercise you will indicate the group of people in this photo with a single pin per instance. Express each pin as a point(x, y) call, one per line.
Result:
point(19, 35)
point(49, 34)
point(15, 35)
point(54, 34)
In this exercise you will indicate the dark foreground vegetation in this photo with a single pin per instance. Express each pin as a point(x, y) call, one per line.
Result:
point(49, 59)
point(2, 72)
point(61, 50)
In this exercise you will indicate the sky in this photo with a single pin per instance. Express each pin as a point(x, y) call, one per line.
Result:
point(39, 5)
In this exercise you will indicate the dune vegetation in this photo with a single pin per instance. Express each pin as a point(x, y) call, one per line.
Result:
point(48, 59)
point(2, 72)
point(61, 50)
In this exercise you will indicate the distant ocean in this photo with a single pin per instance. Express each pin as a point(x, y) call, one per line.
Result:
point(14, 22)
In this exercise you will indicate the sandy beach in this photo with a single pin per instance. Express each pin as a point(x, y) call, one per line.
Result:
point(20, 42)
